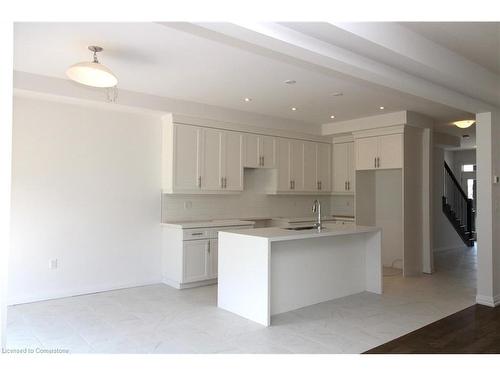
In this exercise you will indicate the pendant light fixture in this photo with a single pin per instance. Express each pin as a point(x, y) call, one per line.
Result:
point(464, 123)
point(92, 73)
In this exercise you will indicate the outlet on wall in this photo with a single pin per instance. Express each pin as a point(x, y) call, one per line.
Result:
point(52, 264)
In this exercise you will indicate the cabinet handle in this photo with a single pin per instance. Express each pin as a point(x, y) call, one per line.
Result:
point(348, 185)
point(378, 162)
point(197, 234)
point(319, 185)
point(293, 184)
point(225, 182)
point(375, 162)
point(263, 160)
point(345, 185)
point(222, 182)
point(199, 181)
point(208, 246)
point(290, 184)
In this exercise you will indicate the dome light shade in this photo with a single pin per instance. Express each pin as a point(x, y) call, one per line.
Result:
point(92, 73)
point(464, 123)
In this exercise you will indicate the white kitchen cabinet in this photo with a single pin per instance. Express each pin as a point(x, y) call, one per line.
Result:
point(343, 168)
point(323, 167)
point(232, 161)
point(297, 164)
point(390, 151)
point(190, 255)
point(303, 166)
point(284, 182)
point(196, 261)
point(182, 167)
point(290, 165)
point(310, 180)
point(214, 257)
point(212, 148)
point(201, 160)
point(379, 152)
point(259, 151)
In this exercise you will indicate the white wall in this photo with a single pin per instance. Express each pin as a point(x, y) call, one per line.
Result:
point(85, 191)
point(444, 235)
point(251, 203)
point(488, 208)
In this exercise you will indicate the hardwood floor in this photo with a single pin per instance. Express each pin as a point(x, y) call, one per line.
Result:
point(474, 330)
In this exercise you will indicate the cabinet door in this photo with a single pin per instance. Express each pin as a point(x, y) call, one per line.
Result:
point(214, 258)
point(390, 151)
point(267, 149)
point(196, 264)
point(351, 168)
point(283, 161)
point(187, 157)
point(340, 167)
point(366, 150)
point(297, 165)
point(211, 151)
point(323, 166)
point(251, 153)
point(232, 161)
point(309, 167)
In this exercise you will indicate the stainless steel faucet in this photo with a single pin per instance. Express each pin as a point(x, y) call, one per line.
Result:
point(316, 208)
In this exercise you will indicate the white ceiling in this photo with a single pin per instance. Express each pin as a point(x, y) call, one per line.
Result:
point(478, 42)
point(164, 61)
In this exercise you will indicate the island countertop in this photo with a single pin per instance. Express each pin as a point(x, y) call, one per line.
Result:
point(274, 234)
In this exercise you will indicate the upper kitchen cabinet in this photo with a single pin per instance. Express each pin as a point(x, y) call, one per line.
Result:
point(181, 158)
point(303, 166)
point(378, 151)
point(232, 161)
point(343, 168)
point(323, 167)
point(310, 181)
point(201, 160)
point(259, 151)
point(290, 165)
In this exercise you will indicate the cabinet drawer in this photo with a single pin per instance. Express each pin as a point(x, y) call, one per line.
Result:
point(195, 234)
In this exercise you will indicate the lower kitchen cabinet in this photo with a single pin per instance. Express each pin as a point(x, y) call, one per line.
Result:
point(196, 260)
point(190, 256)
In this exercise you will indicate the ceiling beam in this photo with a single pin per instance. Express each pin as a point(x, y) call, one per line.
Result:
point(281, 42)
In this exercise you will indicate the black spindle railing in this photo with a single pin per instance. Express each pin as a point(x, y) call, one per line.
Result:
point(457, 205)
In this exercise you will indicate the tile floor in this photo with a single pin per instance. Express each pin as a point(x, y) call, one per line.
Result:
point(160, 319)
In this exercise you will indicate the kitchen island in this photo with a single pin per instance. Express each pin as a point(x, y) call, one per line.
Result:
point(268, 271)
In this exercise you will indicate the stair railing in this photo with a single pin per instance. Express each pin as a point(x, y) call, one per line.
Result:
point(459, 203)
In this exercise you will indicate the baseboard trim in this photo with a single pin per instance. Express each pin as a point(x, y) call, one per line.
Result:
point(73, 293)
point(176, 285)
point(488, 300)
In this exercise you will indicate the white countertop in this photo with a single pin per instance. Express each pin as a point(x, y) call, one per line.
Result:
point(207, 223)
point(279, 234)
point(313, 218)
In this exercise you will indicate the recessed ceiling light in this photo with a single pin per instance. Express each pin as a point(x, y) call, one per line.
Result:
point(381, 107)
point(294, 109)
point(290, 81)
point(248, 99)
point(332, 116)
point(337, 93)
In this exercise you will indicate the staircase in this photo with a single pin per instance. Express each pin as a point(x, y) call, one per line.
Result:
point(458, 208)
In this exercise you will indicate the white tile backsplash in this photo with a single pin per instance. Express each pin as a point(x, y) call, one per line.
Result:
point(342, 205)
point(251, 203)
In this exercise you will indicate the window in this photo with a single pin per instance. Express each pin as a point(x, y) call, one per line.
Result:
point(468, 167)
point(470, 188)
